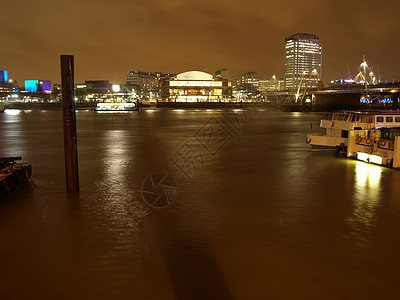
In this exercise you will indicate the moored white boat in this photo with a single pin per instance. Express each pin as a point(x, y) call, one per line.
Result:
point(116, 106)
point(378, 146)
point(335, 128)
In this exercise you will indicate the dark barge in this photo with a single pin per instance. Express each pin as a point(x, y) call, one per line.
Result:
point(13, 175)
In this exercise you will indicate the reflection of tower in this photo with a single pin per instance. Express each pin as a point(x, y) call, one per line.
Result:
point(303, 53)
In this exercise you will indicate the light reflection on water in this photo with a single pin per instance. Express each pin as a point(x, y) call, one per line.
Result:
point(115, 144)
point(367, 194)
point(12, 112)
point(118, 200)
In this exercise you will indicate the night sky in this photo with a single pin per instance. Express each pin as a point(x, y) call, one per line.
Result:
point(109, 38)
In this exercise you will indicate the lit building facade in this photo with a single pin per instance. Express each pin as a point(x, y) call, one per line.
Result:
point(246, 86)
point(146, 81)
point(9, 89)
point(98, 85)
point(103, 91)
point(3, 76)
point(38, 86)
point(222, 74)
point(271, 84)
point(303, 59)
point(195, 86)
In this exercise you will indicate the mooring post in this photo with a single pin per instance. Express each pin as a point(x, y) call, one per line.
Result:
point(69, 121)
point(395, 102)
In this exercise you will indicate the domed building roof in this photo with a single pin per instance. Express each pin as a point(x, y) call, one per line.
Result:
point(194, 75)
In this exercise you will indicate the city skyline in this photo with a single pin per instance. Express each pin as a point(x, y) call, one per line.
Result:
point(177, 36)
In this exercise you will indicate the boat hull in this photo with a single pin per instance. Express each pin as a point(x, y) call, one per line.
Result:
point(323, 142)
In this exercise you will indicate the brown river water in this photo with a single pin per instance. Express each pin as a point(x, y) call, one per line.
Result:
point(248, 212)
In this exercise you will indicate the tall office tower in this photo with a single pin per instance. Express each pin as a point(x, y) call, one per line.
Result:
point(303, 57)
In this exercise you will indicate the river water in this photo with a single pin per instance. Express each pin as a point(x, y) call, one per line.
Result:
point(255, 214)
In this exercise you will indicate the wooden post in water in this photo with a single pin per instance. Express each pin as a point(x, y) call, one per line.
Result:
point(69, 121)
point(395, 103)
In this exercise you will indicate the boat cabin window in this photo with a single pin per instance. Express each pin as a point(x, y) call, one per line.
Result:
point(338, 117)
point(390, 133)
point(389, 119)
point(357, 118)
point(397, 119)
point(379, 119)
point(345, 117)
point(353, 117)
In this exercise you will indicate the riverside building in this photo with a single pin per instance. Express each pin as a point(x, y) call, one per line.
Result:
point(9, 90)
point(147, 81)
point(246, 86)
point(195, 86)
point(271, 84)
point(38, 86)
point(303, 58)
point(3, 76)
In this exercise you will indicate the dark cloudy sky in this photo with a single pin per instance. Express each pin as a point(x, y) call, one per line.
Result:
point(109, 38)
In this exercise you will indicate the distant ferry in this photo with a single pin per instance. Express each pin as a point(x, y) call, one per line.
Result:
point(336, 127)
point(117, 106)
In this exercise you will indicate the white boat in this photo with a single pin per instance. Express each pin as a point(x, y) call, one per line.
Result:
point(116, 106)
point(377, 146)
point(334, 128)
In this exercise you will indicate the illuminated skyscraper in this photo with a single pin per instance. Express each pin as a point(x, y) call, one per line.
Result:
point(303, 57)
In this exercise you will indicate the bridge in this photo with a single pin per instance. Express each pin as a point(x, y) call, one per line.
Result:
point(346, 96)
